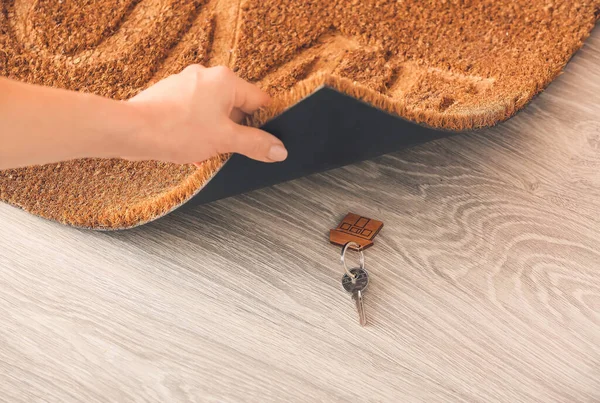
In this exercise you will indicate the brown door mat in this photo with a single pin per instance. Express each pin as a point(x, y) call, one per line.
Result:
point(452, 64)
point(326, 130)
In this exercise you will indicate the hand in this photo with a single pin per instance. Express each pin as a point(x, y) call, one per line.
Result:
point(196, 114)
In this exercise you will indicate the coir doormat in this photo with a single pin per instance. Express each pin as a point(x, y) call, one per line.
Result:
point(448, 64)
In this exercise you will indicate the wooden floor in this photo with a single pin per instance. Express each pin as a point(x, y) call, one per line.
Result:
point(485, 281)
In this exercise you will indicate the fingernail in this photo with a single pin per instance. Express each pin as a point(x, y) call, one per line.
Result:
point(277, 153)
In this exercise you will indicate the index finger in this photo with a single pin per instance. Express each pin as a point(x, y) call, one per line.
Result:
point(248, 97)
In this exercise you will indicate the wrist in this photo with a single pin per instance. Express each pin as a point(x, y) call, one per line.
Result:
point(108, 129)
point(131, 139)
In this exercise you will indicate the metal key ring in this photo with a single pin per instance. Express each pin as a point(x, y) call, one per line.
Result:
point(361, 256)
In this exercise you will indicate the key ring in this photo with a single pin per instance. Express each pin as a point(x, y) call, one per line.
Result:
point(361, 257)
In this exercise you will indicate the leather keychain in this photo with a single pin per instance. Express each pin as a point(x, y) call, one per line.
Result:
point(357, 233)
point(355, 228)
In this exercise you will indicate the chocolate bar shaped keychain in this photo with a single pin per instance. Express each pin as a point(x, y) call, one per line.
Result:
point(357, 233)
point(356, 228)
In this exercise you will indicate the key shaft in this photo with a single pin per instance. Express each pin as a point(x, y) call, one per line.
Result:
point(360, 307)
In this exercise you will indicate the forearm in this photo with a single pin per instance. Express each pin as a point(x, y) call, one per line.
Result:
point(41, 125)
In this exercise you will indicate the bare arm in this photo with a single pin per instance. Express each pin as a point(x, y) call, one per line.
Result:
point(40, 125)
point(185, 118)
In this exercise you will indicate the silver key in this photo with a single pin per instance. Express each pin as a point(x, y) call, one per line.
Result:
point(356, 286)
point(355, 281)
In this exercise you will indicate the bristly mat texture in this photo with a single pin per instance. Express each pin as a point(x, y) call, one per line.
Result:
point(454, 64)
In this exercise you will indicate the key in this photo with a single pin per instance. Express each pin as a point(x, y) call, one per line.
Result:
point(356, 286)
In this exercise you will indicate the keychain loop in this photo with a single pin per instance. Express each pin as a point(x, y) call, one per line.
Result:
point(361, 257)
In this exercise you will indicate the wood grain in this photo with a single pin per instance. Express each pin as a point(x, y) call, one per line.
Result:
point(485, 281)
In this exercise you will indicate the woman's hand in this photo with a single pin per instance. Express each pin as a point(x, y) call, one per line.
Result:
point(186, 118)
point(196, 114)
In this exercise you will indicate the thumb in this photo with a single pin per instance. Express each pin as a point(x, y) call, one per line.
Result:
point(256, 144)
